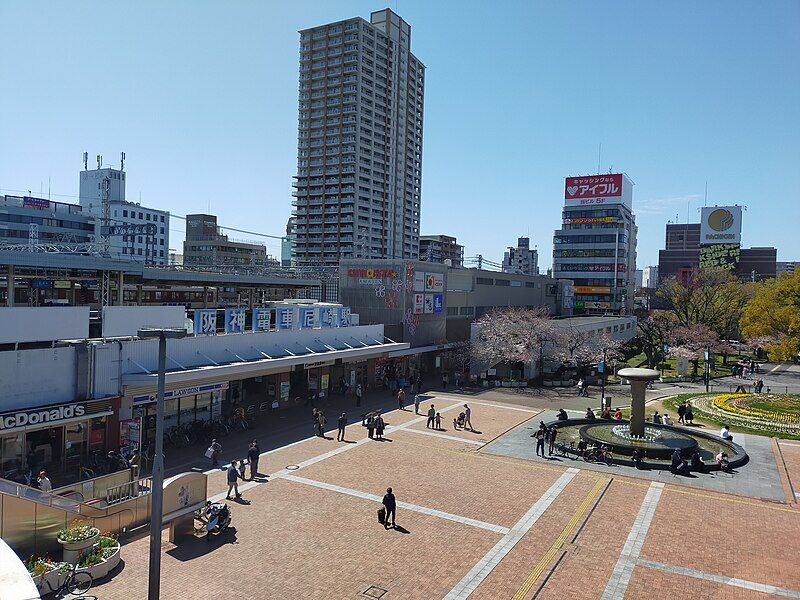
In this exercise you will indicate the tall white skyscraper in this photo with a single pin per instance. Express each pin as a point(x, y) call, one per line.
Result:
point(359, 158)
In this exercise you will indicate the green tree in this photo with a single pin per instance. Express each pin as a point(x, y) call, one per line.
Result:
point(774, 311)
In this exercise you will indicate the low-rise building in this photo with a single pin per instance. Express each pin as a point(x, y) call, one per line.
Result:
point(522, 259)
point(206, 245)
point(442, 249)
point(26, 220)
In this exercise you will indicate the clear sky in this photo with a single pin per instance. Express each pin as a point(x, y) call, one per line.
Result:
point(202, 97)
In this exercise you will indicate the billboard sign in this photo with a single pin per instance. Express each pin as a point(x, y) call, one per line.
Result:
point(592, 289)
point(326, 316)
point(39, 203)
point(587, 220)
point(419, 304)
point(438, 303)
point(720, 256)
point(306, 314)
point(721, 225)
point(343, 316)
point(593, 186)
point(284, 318)
point(428, 305)
point(419, 281)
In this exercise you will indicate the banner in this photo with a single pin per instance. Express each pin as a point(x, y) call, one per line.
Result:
point(428, 304)
point(419, 304)
point(721, 225)
point(720, 256)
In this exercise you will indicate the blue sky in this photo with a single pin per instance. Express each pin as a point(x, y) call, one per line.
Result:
point(202, 97)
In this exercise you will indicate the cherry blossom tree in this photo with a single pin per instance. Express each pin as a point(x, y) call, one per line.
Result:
point(512, 335)
point(692, 342)
point(584, 348)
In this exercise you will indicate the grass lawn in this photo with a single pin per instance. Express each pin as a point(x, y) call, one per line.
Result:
point(668, 366)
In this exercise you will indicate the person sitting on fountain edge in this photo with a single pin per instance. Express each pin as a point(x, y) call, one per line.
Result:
point(618, 415)
point(637, 458)
point(590, 414)
point(697, 462)
point(562, 415)
point(678, 466)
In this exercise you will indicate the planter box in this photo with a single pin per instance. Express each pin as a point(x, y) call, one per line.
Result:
point(105, 567)
point(80, 545)
point(49, 582)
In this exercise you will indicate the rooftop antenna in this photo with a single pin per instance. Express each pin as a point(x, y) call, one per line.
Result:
point(122, 161)
point(85, 161)
point(705, 196)
point(99, 161)
point(599, 154)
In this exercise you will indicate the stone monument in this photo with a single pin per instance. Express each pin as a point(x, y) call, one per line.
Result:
point(639, 379)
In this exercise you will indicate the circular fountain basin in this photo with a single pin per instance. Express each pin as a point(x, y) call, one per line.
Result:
point(657, 442)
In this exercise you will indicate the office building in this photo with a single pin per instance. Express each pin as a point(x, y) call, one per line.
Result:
point(521, 259)
point(139, 233)
point(206, 245)
point(32, 221)
point(650, 277)
point(786, 267)
point(359, 163)
point(715, 242)
point(441, 248)
point(596, 245)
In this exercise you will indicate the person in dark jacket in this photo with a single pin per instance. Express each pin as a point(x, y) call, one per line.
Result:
point(253, 454)
point(390, 504)
point(342, 423)
point(431, 416)
point(233, 481)
point(678, 465)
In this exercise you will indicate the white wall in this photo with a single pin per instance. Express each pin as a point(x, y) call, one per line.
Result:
point(43, 324)
point(31, 378)
point(121, 321)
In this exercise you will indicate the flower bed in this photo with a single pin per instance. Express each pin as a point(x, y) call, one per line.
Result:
point(77, 534)
point(48, 575)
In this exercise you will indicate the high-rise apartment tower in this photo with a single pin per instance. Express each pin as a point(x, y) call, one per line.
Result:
point(359, 156)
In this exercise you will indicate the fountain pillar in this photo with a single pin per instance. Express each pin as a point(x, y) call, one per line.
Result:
point(639, 379)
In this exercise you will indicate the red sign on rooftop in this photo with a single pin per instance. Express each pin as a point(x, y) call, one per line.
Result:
point(593, 186)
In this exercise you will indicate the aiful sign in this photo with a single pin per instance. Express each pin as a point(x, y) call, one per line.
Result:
point(368, 276)
point(593, 186)
point(41, 416)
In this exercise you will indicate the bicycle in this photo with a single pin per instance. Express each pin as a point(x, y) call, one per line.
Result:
point(598, 454)
point(563, 449)
point(76, 582)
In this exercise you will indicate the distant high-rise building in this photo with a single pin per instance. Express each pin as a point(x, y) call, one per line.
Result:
point(439, 248)
point(287, 243)
point(596, 245)
point(650, 277)
point(359, 157)
point(638, 279)
point(95, 184)
point(786, 267)
point(521, 259)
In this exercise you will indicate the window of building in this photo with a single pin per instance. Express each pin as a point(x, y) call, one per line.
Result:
point(162, 218)
point(484, 280)
point(147, 216)
point(124, 213)
point(502, 282)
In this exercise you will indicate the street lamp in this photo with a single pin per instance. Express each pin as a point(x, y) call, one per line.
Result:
point(157, 487)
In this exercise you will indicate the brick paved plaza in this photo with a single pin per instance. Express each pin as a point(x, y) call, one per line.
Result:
point(474, 525)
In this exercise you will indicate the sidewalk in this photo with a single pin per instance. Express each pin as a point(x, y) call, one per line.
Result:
point(279, 428)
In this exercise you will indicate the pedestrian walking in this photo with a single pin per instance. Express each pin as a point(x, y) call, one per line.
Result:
point(467, 414)
point(551, 439)
point(390, 504)
point(233, 481)
point(689, 418)
point(315, 421)
point(682, 413)
point(438, 420)
point(342, 423)
point(380, 425)
point(444, 381)
point(417, 400)
point(213, 452)
point(242, 466)
point(253, 456)
point(371, 425)
point(322, 420)
point(431, 416)
point(580, 386)
point(359, 394)
point(401, 399)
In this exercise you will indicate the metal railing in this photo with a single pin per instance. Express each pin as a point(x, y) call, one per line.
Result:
point(126, 491)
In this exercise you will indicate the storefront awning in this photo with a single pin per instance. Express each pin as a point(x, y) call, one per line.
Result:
point(419, 350)
point(215, 371)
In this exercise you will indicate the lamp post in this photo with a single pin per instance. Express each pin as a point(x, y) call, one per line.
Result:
point(603, 381)
point(157, 487)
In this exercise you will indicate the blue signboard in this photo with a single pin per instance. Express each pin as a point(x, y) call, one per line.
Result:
point(189, 391)
point(262, 319)
point(326, 317)
point(343, 317)
point(284, 318)
point(306, 314)
point(234, 320)
point(205, 321)
point(438, 303)
point(42, 284)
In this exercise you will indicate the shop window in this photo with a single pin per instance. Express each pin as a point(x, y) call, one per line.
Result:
point(11, 447)
point(97, 434)
point(170, 412)
point(186, 414)
point(74, 445)
point(203, 407)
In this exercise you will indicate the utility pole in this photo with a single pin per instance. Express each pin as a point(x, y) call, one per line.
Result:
point(603, 381)
point(707, 355)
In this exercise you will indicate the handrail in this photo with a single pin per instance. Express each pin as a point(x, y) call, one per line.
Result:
point(132, 489)
point(50, 499)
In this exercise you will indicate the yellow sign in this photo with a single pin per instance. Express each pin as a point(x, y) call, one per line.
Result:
point(591, 289)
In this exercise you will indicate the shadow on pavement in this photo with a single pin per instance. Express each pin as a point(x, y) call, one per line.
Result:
point(193, 547)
